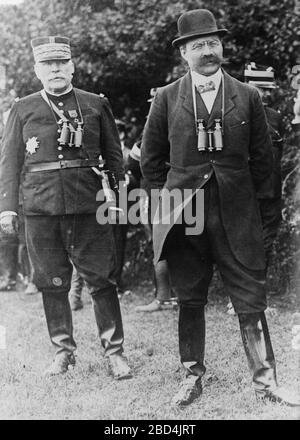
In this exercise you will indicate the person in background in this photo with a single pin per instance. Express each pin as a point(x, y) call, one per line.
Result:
point(269, 195)
point(163, 297)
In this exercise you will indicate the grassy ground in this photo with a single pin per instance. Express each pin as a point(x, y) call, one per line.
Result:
point(151, 346)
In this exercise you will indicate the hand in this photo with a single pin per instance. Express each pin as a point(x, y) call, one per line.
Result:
point(9, 224)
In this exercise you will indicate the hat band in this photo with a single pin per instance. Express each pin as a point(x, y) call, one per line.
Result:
point(51, 51)
point(266, 84)
point(259, 74)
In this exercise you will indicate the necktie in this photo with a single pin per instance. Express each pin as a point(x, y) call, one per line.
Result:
point(210, 85)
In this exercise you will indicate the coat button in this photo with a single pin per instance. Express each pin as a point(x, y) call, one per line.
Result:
point(60, 104)
point(60, 156)
point(59, 148)
point(205, 176)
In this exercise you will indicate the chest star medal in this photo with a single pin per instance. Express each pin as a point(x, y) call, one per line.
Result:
point(32, 145)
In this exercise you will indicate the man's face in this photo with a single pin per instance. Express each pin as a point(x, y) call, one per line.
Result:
point(204, 55)
point(265, 94)
point(55, 75)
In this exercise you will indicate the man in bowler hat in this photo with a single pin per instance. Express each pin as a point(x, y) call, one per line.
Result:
point(182, 148)
point(55, 139)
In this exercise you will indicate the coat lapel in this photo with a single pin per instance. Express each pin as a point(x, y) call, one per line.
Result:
point(185, 92)
point(230, 93)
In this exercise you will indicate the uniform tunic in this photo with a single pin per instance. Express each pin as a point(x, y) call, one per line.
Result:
point(60, 205)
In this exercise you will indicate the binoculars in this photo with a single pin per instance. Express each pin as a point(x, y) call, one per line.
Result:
point(209, 140)
point(68, 135)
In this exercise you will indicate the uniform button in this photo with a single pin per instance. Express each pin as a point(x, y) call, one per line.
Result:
point(205, 176)
point(59, 148)
point(60, 156)
point(60, 104)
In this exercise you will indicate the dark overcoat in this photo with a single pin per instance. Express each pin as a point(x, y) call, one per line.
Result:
point(170, 159)
point(61, 191)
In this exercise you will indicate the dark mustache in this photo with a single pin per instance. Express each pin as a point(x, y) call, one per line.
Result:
point(205, 59)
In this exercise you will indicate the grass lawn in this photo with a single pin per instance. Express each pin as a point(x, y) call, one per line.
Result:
point(88, 392)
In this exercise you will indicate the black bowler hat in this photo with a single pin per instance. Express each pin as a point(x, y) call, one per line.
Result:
point(196, 23)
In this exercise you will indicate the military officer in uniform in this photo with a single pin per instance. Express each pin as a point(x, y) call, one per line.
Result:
point(207, 130)
point(269, 195)
point(57, 139)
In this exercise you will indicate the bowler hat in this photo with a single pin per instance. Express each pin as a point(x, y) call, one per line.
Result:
point(196, 23)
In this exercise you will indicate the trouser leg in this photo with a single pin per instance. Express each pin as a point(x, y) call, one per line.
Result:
point(120, 232)
point(270, 211)
point(92, 251)
point(76, 291)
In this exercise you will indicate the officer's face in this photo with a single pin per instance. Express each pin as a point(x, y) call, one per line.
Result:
point(265, 94)
point(204, 55)
point(55, 75)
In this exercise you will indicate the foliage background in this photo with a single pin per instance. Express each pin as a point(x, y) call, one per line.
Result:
point(122, 48)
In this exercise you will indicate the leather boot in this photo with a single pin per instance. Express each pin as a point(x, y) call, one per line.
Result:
point(110, 327)
point(76, 291)
point(191, 347)
point(61, 364)
point(59, 321)
point(261, 360)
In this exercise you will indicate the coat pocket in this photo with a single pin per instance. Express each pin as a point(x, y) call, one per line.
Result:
point(238, 124)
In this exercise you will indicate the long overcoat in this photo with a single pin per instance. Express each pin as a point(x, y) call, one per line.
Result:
point(170, 159)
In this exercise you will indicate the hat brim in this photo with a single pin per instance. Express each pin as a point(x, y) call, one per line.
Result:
point(185, 38)
point(263, 85)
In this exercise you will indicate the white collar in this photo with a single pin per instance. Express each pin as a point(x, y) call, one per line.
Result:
point(199, 79)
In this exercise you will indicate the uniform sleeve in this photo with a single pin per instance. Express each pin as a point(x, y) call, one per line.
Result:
point(260, 149)
point(11, 162)
point(155, 151)
point(110, 142)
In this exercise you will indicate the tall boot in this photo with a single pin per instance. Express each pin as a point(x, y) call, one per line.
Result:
point(59, 321)
point(75, 292)
point(110, 327)
point(191, 328)
point(261, 360)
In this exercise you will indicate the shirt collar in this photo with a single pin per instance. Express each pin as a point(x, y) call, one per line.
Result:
point(200, 80)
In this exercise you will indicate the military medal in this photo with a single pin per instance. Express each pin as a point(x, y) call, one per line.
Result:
point(32, 145)
point(73, 113)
